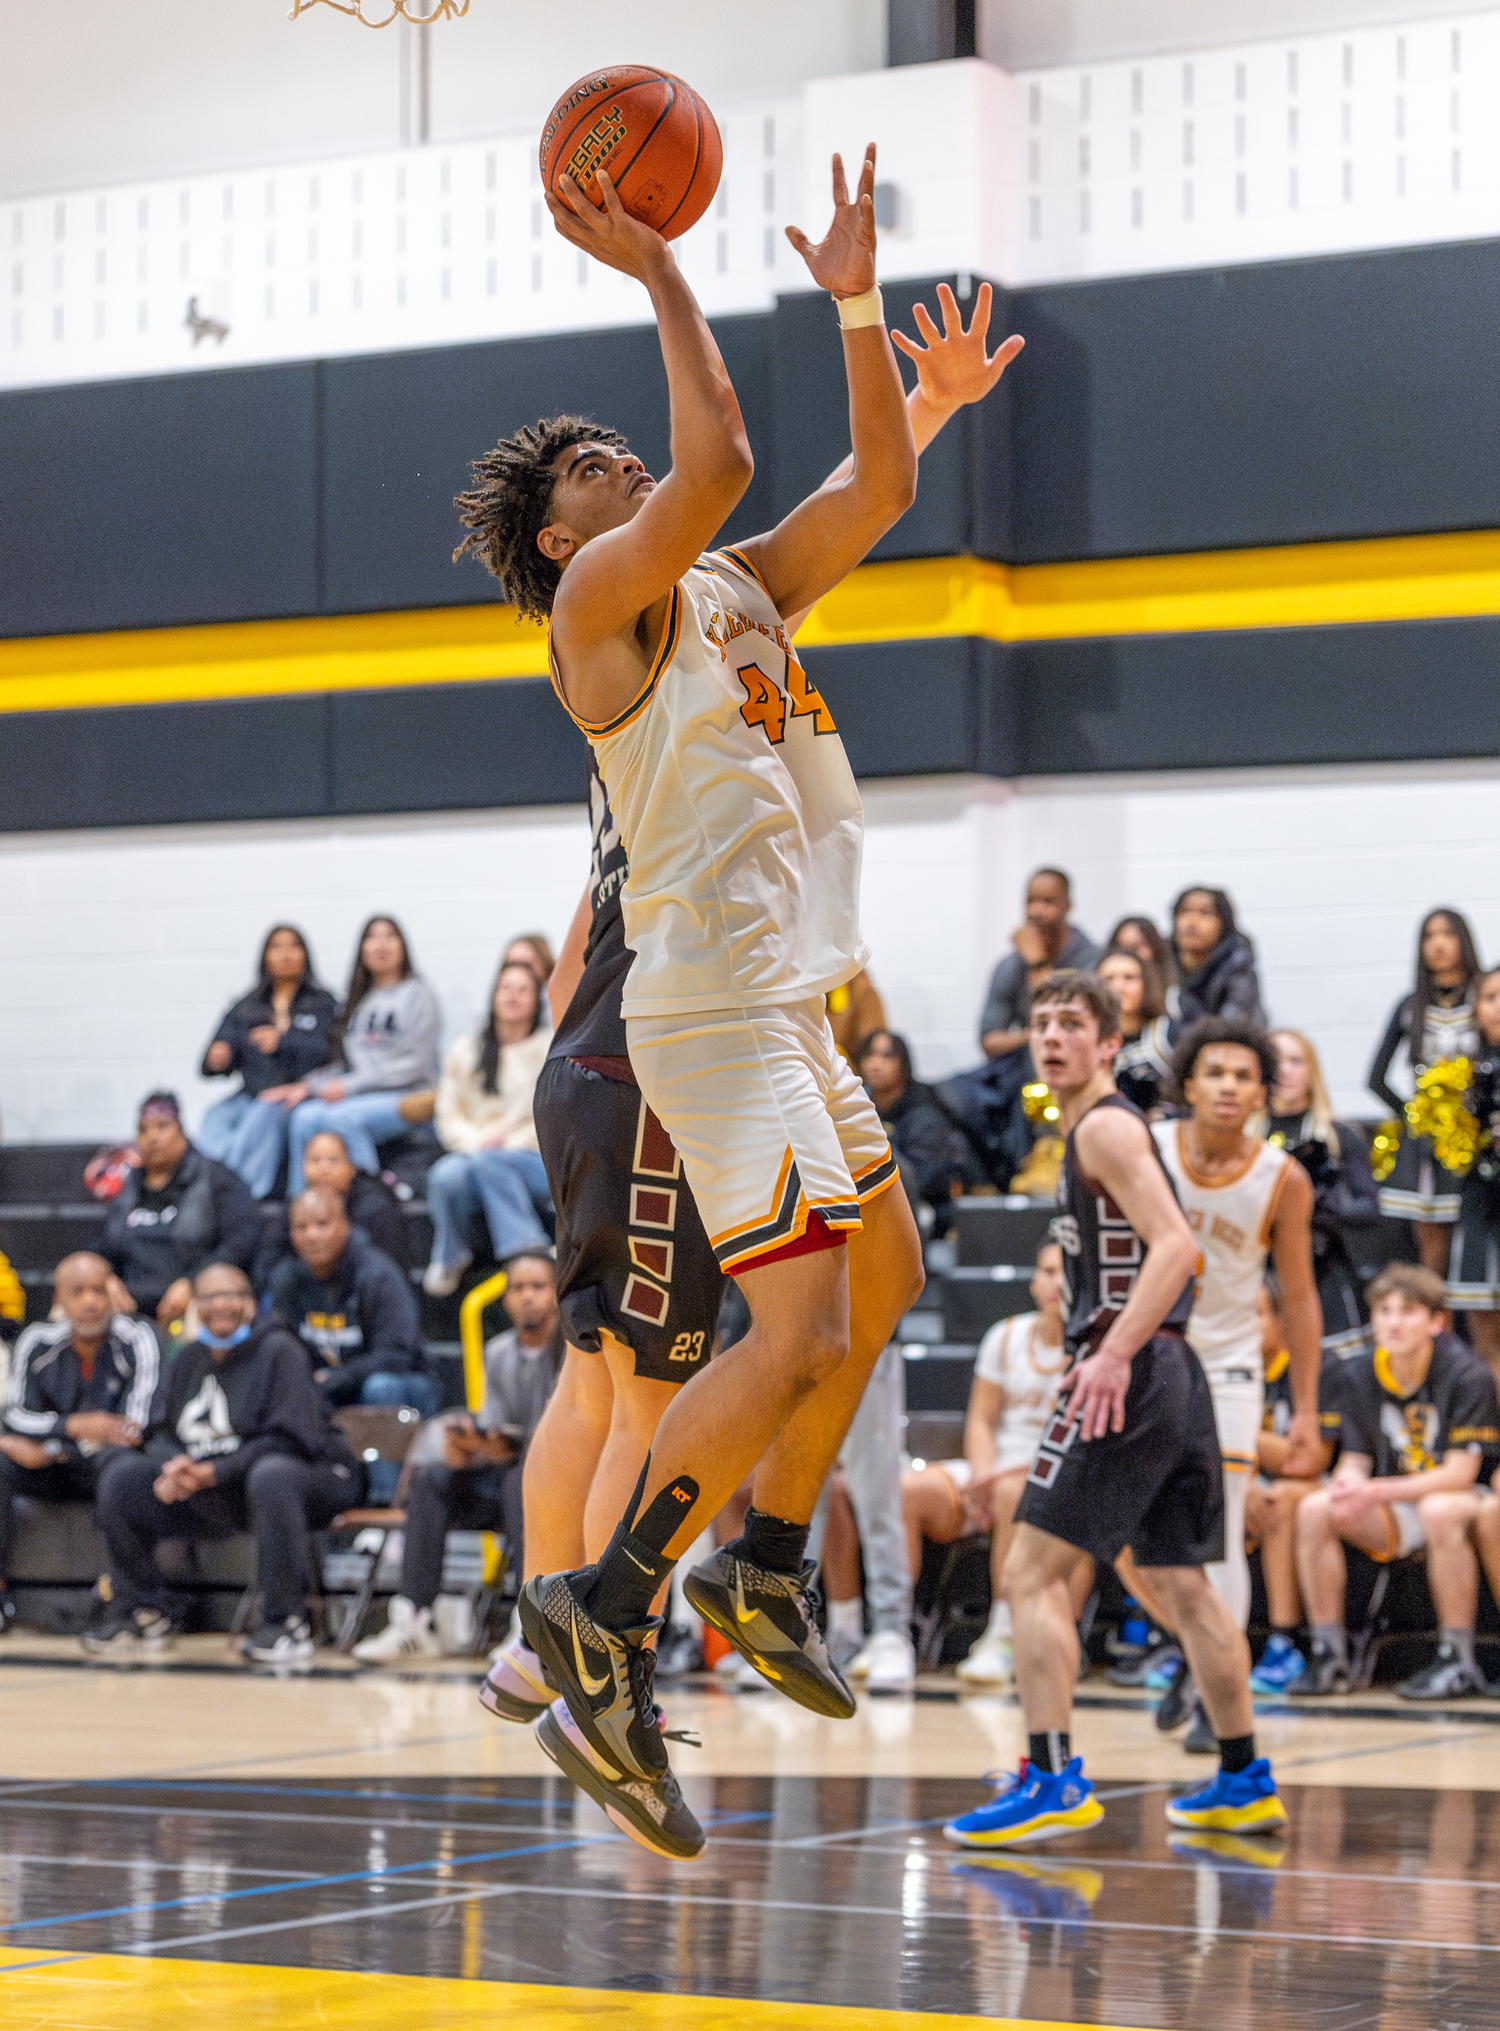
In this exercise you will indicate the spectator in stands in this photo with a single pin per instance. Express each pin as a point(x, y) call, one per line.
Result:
point(1434, 1024)
point(388, 1035)
point(1016, 1373)
point(240, 1440)
point(987, 1102)
point(855, 1012)
point(1474, 1270)
point(1273, 1501)
point(1420, 1427)
point(81, 1388)
point(1045, 941)
point(370, 1203)
point(1336, 1157)
point(533, 949)
point(478, 1484)
point(484, 1122)
point(180, 1210)
point(277, 1034)
point(928, 1148)
point(1140, 936)
point(1143, 1064)
point(1214, 960)
point(352, 1309)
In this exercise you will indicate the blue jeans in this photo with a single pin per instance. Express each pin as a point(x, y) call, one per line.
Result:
point(419, 1391)
point(248, 1136)
point(509, 1186)
point(363, 1120)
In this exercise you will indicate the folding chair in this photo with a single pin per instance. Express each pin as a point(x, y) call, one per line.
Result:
point(375, 1432)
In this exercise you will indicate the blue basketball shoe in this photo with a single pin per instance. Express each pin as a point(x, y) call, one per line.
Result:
point(1280, 1666)
point(1244, 1803)
point(1035, 1805)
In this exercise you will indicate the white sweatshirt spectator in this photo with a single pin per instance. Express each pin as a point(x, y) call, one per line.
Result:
point(492, 1172)
point(389, 1041)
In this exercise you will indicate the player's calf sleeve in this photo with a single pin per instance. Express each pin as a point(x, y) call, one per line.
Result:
point(635, 1562)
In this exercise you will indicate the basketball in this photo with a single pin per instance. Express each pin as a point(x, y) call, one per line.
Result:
point(653, 134)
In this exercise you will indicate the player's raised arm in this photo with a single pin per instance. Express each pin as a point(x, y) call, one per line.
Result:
point(613, 574)
point(954, 368)
point(824, 538)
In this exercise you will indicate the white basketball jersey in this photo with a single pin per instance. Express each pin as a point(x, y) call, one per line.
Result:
point(1231, 1222)
point(1011, 1356)
point(738, 810)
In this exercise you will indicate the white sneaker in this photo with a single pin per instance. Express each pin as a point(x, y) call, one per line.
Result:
point(408, 1633)
point(989, 1663)
point(887, 1663)
point(442, 1279)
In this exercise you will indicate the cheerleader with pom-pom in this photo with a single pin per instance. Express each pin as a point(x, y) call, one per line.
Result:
point(1435, 1026)
point(1474, 1267)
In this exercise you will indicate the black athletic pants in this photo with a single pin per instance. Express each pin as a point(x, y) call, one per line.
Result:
point(71, 1480)
point(441, 1499)
point(279, 1501)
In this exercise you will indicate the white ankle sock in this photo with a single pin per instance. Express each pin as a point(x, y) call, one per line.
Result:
point(999, 1620)
point(847, 1619)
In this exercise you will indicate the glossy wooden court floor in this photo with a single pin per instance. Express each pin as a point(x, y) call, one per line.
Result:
point(351, 1849)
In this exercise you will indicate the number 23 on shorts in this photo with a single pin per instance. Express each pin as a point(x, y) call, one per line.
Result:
point(767, 705)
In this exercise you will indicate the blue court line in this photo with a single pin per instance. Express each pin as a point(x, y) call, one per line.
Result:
point(347, 1796)
point(53, 1960)
point(313, 1883)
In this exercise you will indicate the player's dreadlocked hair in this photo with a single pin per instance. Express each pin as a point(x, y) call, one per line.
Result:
point(512, 504)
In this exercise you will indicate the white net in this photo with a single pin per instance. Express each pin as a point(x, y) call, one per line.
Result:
point(381, 13)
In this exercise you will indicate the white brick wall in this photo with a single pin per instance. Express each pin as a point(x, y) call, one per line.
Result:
point(122, 948)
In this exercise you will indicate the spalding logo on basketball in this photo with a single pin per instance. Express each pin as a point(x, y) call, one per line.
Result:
point(653, 136)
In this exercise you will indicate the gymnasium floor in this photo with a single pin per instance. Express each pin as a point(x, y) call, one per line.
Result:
point(343, 1849)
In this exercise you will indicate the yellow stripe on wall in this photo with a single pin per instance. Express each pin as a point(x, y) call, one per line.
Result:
point(1396, 578)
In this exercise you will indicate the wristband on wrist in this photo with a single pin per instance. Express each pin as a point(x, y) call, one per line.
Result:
point(855, 312)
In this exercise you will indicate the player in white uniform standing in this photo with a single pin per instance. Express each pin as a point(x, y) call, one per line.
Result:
point(743, 829)
point(1244, 1200)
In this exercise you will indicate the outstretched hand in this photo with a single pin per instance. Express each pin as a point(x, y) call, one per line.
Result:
point(843, 261)
point(612, 235)
point(953, 367)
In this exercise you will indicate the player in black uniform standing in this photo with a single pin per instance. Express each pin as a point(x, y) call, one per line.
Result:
point(638, 1284)
point(1131, 1455)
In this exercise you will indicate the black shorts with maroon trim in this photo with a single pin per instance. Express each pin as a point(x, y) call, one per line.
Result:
point(632, 1257)
point(1157, 1486)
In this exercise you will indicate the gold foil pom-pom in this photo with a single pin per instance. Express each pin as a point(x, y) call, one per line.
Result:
point(1384, 1144)
point(1039, 1105)
point(1438, 1111)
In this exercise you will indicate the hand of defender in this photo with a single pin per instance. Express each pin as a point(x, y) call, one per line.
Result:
point(1095, 1394)
point(611, 236)
point(952, 367)
point(843, 261)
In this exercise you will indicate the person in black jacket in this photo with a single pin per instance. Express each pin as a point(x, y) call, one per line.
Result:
point(1215, 961)
point(370, 1203)
point(928, 1147)
point(240, 1439)
point(81, 1388)
point(352, 1309)
point(179, 1211)
point(273, 1037)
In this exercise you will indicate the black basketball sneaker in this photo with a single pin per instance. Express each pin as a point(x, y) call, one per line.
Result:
point(772, 1620)
point(604, 1675)
point(652, 1811)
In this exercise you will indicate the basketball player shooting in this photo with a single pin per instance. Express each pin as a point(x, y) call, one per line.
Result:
point(743, 829)
point(1131, 1456)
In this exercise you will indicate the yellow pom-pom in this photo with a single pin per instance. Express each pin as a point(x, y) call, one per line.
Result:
point(1039, 1105)
point(1438, 1112)
point(1384, 1144)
